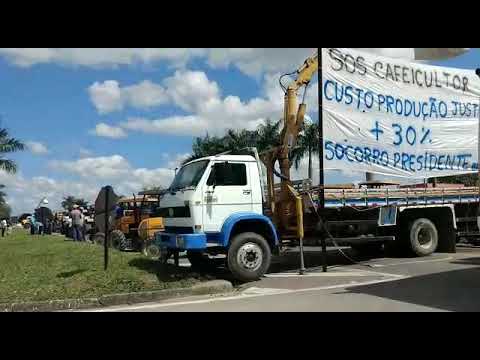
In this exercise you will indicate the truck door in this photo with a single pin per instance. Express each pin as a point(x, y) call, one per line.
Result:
point(227, 191)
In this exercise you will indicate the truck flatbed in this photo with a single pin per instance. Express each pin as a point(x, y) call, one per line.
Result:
point(335, 198)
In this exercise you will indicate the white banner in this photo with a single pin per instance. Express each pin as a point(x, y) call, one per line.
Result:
point(394, 117)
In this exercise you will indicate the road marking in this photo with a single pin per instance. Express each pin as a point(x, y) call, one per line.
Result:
point(264, 291)
point(316, 274)
point(339, 273)
point(243, 295)
point(412, 262)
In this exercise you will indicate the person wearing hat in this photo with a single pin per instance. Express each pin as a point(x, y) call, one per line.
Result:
point(77, 223)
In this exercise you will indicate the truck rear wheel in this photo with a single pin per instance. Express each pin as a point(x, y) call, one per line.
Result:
point(249, 256)
point(423, 236)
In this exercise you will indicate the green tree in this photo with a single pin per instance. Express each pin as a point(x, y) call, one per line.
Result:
point(206, 146)
point(70, 200)
point(5, 211)
point(8, 145)
point(307, 146)
point(152, 188)
point(467, 179)
point(2, 194)
point(265, 136)
point(268, 135)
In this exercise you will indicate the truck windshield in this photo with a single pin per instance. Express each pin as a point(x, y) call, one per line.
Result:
point(189, 175)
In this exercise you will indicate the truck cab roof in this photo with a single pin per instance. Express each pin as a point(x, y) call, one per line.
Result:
point(228, 157)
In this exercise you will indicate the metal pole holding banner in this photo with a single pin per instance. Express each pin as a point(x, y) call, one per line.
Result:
point(321, 193)
point(477, 71)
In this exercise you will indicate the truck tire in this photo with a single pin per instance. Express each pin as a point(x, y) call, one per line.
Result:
point(150, 249)
point(423, 237)
point(118, 240)
point(98, 238)
point(249, 256)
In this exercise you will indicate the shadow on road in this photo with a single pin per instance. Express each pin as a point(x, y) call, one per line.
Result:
point(456, 290)
point(290, 261)
point(467, 261)
point(169, 272)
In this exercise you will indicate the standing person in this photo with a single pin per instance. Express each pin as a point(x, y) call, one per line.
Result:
point(3, 225)
point(9, 226)
point(77, 223)
point(32, 225)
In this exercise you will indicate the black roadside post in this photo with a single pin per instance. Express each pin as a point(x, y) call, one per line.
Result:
point(104, 206)
point(107, 228)
point(321, 193)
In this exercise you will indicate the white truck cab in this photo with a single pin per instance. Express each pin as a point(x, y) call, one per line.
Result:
point(211, 201)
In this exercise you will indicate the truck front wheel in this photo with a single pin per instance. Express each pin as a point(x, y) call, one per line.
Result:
point(249, 256)
point(423, 237)
point(118, 240)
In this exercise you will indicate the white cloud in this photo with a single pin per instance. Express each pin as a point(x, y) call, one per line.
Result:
point(190, 90)
point(256, 61)
point(175, 125)
point(106, 96)
point(37, 148)
point(109, 97)
point(118, 170)
point(105, 130)
point(90, 175)
point(24, 194)
point(103, 167)
point(416, 53)
point(98, 57)
point(145, 95)
point(251, 61)
point(194, 92)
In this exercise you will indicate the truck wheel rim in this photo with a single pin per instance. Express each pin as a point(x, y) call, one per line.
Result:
point(250, 256)
point(425, 237)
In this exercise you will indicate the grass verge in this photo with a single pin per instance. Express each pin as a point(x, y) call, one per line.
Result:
point(39, 268)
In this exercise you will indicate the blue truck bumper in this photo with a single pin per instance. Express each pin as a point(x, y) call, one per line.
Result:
point(181, 241)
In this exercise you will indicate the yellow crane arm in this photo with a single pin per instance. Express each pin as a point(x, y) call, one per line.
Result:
point(293, 117)
point(306, 72)
point(293, 121)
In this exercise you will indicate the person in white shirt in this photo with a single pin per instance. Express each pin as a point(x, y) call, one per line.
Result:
point(3, 225)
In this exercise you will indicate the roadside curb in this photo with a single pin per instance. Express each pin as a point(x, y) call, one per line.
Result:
point(206, 288)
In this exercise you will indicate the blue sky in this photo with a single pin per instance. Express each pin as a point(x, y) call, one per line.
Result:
point(152, 103)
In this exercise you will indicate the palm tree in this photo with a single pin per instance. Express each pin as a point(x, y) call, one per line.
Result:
point(8, 145)
point(268, 135)
point(264, 137)
point(239, 139)
point(70, 200)
point(2, 194)
point(307, 145)
point(206, 146)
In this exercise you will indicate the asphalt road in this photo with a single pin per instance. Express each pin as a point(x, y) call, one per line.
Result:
point(441, 282)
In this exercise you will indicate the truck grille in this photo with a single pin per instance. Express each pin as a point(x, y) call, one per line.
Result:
point(178, 230)
point(174, 212)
